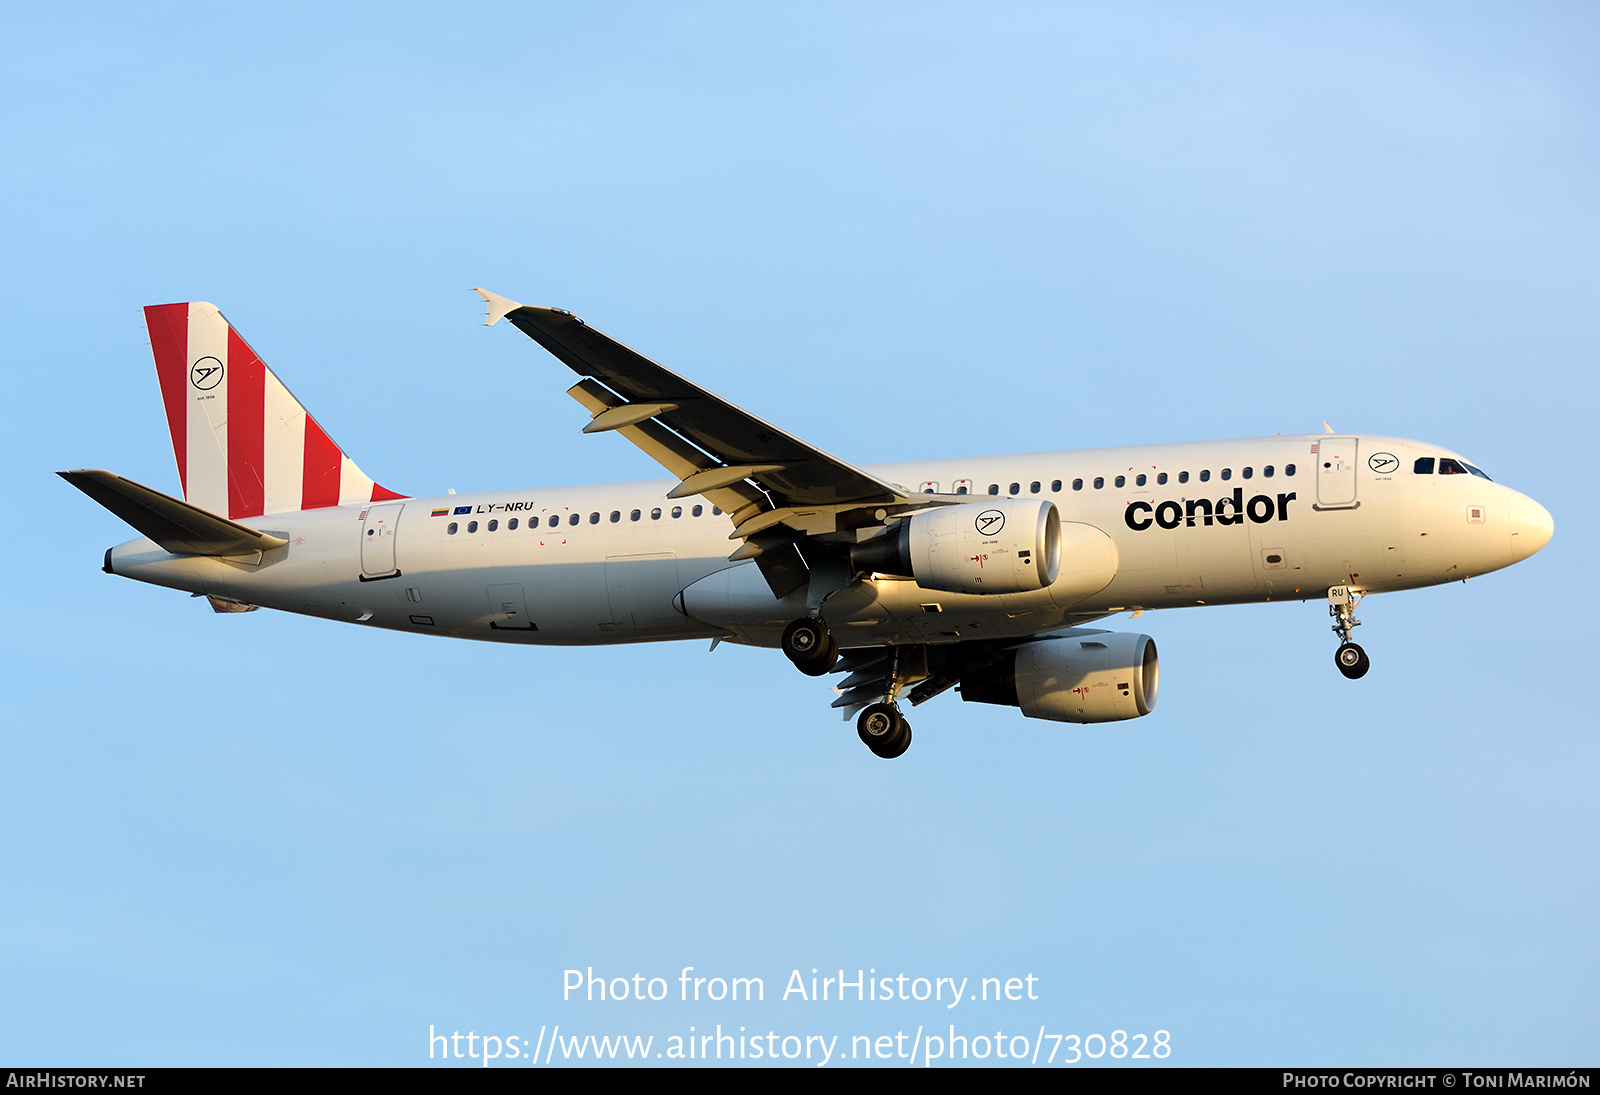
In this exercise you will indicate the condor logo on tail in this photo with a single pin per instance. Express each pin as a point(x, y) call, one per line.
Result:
point(1228, 510)
point(245, 446)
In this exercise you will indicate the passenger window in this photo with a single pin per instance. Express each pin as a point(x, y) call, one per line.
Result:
point(1122, 480)
point(994, 488)
point(928, 488)
point(574, 519)
point(1205, 475)
point(1099, 481)
point(452, 529)
point(1183, 477)
point(1139, 482)
point(533, 522)
point(472, 526)
point(616, 515)
point(1033, 487)
point(1077, 484)
point(633, 515)
point(1055, 485)
point(1248, 472)
point(1015, 488)
point(1227, 473)
point(677, 511)
point(1288, 469)
point(1423, 466)
point(1162, 479)
point(594, 518)
point(697, 511)
point(1266, 472)
point(1448, 466)
point(963, 486)
point(512, 524)
point(716, 511)
point(493, 525)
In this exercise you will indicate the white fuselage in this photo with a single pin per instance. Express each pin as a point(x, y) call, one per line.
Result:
point(629, 569)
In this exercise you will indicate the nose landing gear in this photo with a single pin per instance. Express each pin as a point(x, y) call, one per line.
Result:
point(1350, 658)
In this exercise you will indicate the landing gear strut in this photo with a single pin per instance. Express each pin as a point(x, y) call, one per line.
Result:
point(809, 645)
point(884, 730)
point(1350, 658)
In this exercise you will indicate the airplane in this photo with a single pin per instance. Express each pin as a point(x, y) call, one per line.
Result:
point(981, 574)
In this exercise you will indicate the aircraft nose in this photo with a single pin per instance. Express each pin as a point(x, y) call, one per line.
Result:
point(1531, 527)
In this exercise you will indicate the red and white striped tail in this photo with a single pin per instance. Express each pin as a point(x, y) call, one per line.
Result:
point(245, 446)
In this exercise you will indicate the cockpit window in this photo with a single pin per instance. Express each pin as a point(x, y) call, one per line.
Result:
point(1423, 466)
point(1475, 471)
point(1448, 466)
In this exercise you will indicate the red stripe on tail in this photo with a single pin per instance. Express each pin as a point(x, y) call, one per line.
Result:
point(168, 325)
point(320, 482)
point(247, 416)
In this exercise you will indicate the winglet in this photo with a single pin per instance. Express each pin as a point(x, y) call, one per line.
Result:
point(498, 306)
point(1325, 427)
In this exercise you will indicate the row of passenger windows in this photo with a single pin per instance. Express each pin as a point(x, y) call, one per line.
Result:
point(964, 486)
point(1423, 466)
point(493, 525)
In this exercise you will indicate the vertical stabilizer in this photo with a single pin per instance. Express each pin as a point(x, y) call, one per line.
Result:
point(245, 446)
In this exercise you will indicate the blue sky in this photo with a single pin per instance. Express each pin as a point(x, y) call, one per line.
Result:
point(898, 231)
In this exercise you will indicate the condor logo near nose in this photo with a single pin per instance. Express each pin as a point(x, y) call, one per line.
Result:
point(1228, 510)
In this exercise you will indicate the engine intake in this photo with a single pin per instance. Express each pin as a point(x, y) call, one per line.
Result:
point(1010, 545)
point(1094, 676)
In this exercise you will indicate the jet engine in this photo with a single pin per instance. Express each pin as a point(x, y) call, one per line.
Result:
point(1010, 545)
point(1089, 676)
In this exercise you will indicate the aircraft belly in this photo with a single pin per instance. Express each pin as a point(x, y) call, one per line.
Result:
point(738, 600)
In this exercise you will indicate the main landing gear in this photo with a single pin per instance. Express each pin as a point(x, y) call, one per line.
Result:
point(1350, 658)
point(809, 645)
point(880, 726)
point(884, 730)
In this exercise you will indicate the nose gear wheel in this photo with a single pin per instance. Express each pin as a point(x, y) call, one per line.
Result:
point(1352, 661)
point(1350, 658)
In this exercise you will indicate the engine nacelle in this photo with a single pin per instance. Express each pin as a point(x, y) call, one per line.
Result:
point(1007, 545)
point(1093, 676)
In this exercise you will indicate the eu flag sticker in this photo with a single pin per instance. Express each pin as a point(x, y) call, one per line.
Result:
point(463, 509)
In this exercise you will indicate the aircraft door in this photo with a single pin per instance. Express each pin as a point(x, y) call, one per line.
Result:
point(1216, 558)
point(378, 526)
point(1336, 473)
point(508, 610)
point(641, 589)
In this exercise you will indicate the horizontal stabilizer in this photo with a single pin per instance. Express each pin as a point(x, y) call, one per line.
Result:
point(179, 527)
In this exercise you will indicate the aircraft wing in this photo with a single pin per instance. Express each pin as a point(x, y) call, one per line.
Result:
point(794, 474)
